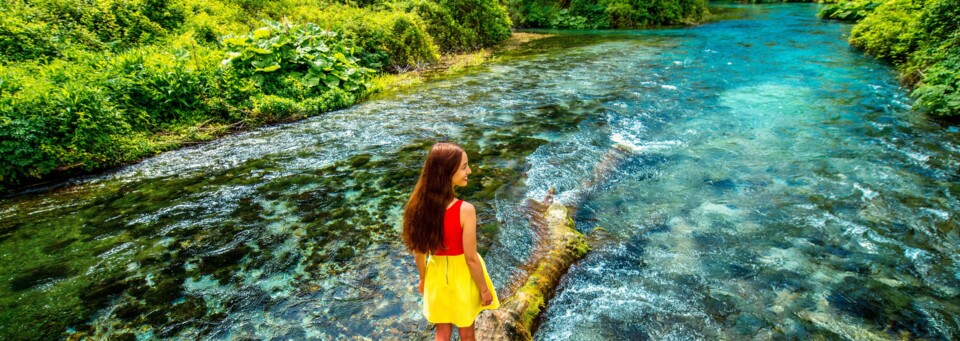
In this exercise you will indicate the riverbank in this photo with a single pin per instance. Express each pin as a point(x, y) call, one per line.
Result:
point(88, 86)
point(744, 198)
point(384, 84)
point(919, 38)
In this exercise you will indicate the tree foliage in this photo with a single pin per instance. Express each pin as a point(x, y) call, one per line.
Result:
point(849, 10)
point(600, 14)
point(921, 38)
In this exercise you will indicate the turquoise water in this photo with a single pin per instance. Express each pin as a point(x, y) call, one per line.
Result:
point(752, 177)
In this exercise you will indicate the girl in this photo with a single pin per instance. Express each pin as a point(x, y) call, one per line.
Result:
point(441, 232)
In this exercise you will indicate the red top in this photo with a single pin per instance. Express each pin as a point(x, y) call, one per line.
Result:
point(452, 232)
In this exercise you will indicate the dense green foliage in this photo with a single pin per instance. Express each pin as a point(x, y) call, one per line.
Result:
point(596, 14)
point(890, 31)
point(921, 38)
point(460, 25)
point(295, 61)
point(50, 28)
point(849, 10)
point(91, 84)
point(783, 1)
point(86, 85)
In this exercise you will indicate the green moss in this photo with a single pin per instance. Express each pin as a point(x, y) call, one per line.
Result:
point(128, 311)
point(533, 295)
point(359, 160)
point(163, 292)
point(38, 275)
point(535, 301)
point(190, 308)
point(578, 247)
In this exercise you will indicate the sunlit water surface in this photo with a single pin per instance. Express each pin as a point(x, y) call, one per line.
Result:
point(749, 177)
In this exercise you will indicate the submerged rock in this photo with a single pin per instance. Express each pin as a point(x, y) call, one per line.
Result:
point(840, 327)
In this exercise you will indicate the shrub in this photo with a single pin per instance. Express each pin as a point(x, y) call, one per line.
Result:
point(24, 39)
point(155, 87)
point(606, 13)
point(88, 84)
point(849, 10)
point(303, 58)
point(486, 18)
point(463, 25)
point(270, 108)
point(922, 39)
point(55, 115)
point(44, 28)
point(388, 39)
point(446, 31)
point(890, 32)
point(937, 61)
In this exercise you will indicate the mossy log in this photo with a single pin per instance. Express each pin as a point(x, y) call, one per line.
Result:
point(560, 246)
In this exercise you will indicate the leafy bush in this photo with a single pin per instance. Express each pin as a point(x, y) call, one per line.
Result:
point(101, 109)
point(487, 19)
point(363, 3)
point(922, 39)
point(938, 59)
point(849, 10)
point(156, 87)
point(463, 25)
point(22, 39)
point(296, 61)
point(580, 14)
point(45, 28)
point(890, 32)
point(385, 39)
point(53, 116)
point(89, 84)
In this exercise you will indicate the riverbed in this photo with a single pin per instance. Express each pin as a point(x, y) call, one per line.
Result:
point(749, 177)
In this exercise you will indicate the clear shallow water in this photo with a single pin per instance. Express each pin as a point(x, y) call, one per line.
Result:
point(777, 187)
point(753, 177)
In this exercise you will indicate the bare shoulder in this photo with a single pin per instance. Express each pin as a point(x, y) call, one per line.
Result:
point(467, 208)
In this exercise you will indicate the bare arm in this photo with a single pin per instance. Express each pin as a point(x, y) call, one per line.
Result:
point(468, 220)
point(421, 260)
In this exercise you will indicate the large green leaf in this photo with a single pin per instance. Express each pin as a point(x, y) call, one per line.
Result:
point(310, 80)
point(331, 81)
point(270, 68)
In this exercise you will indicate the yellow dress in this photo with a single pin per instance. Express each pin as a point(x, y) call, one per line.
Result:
point(449, 293)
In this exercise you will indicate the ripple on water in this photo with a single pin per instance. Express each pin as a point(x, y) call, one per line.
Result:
point(734, 188)
point(773, 204)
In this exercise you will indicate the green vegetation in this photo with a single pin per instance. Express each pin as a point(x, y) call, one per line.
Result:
point(920, 37)
point(600, 14)
point(462, 25)
point(849, 10)
point(564, 245)
point(86, 85)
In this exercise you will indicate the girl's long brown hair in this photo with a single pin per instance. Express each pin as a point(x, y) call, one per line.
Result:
point(423, 216)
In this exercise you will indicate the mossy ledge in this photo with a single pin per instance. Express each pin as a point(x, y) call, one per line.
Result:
point(560, 246)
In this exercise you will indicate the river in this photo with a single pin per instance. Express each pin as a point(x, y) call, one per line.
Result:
point(750, 177)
